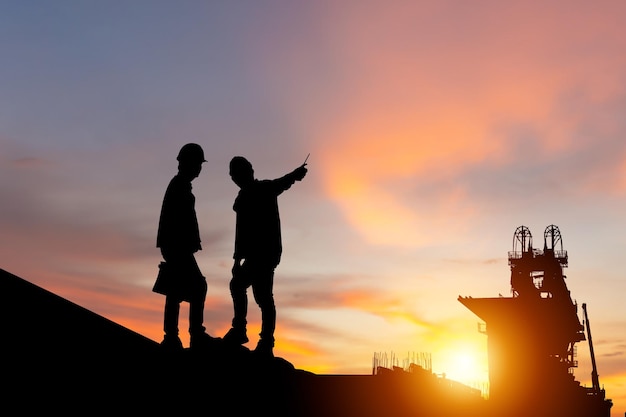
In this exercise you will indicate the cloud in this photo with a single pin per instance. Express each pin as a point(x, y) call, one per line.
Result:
point(29, 162)
point(348, 293)
point(426, 114)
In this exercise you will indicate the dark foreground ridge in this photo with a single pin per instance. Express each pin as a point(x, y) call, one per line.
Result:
point(61, 357)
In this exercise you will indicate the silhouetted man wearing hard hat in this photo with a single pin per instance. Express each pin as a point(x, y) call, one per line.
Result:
point(258, 249)
point(179, 239)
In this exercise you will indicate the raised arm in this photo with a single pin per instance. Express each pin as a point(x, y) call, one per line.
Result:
point(285, 182)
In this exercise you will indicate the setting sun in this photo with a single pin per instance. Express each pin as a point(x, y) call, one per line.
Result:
point(465, 364)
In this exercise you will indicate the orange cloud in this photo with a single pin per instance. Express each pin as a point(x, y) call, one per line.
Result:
point(381, 304)
point(407, 121)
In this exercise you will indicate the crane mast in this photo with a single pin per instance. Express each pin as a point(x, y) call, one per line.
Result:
point(594, 370)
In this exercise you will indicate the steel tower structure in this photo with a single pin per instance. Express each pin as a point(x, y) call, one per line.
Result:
point(532, 336)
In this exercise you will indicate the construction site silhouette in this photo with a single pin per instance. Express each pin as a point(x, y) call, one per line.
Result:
point(532, 336)
point(61, 357)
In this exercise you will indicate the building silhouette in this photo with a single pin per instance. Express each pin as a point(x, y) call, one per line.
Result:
point(532, 336)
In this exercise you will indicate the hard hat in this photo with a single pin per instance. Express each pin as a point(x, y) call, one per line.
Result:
point(191, 152)
point(239, 163)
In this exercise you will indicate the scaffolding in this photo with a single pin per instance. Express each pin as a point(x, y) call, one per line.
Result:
point(410, 363)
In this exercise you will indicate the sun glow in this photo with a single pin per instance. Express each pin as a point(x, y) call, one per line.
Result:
point(465, 365)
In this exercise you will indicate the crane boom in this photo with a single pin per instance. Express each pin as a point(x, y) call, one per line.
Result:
point(594, 370)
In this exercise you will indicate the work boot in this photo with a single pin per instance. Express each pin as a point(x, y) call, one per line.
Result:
point(265, 348)
point(236, 336)
point(200, 340)
point(172, 343)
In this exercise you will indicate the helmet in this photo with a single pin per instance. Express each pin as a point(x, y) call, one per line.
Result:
point(191, 152)
point(239, 163)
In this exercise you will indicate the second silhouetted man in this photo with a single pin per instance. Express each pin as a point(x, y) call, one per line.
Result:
point(258, 248)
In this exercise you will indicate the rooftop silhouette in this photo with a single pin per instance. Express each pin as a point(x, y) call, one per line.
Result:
point(64, 358)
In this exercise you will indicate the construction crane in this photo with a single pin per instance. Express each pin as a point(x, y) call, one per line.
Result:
point(594, 370)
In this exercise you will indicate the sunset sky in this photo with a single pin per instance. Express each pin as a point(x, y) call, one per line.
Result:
point(435, 129)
